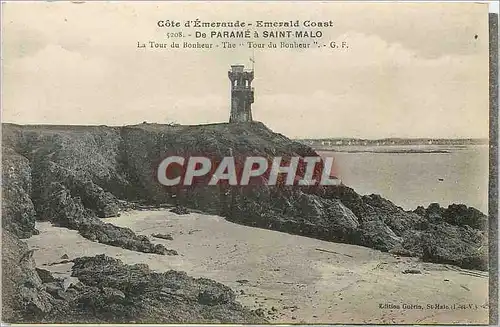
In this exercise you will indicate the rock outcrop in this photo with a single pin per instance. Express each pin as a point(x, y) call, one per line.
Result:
point(65, 208)
point(104, 290)
point(57, 177)
point(76, 176)
point(18, 212)
point(82, 173)
point(23, 295)
point(114, 292)
point(456, 214)
point(454, 235)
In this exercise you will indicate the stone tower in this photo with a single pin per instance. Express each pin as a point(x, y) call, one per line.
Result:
point(242, 94)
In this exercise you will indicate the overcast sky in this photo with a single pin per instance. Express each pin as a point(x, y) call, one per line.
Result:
point(411, 70)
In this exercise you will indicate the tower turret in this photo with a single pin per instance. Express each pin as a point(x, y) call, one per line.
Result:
point(242, 94)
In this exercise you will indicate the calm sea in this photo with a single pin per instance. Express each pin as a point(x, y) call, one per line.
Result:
point(458, 175)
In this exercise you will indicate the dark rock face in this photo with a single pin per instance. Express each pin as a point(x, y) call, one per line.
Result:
point(58, 205)
point(456, 214)
point(18, 213)
point(90, 152)
point(45, 275)
point(444, 243)
point(449, 237)
point(292, 211)
point(46, 173)
point(112, 292)
point(68, 199)
point(81, 173)
point(464, 247)
point(23, 295)
point(77, 178)
point(75, 175)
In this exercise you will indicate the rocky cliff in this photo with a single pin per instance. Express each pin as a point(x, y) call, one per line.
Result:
point(47, 183)
point(76, 176)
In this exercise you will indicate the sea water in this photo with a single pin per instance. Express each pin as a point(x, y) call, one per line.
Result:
point(411, 176)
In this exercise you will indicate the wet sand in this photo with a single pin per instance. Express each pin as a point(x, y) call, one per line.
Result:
point(294, 279)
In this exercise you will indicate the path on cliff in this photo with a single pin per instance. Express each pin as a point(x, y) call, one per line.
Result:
point(291, 278)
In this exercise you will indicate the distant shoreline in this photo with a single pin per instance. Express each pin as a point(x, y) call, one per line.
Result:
point(321, 143)
point(382, 151)
point(395, 148)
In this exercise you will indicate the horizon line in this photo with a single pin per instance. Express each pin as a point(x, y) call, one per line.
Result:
point(311, 138)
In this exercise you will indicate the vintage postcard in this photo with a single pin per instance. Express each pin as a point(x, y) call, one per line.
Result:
point(249, 163)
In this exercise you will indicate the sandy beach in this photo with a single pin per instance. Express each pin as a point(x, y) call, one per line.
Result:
point(291, 278)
